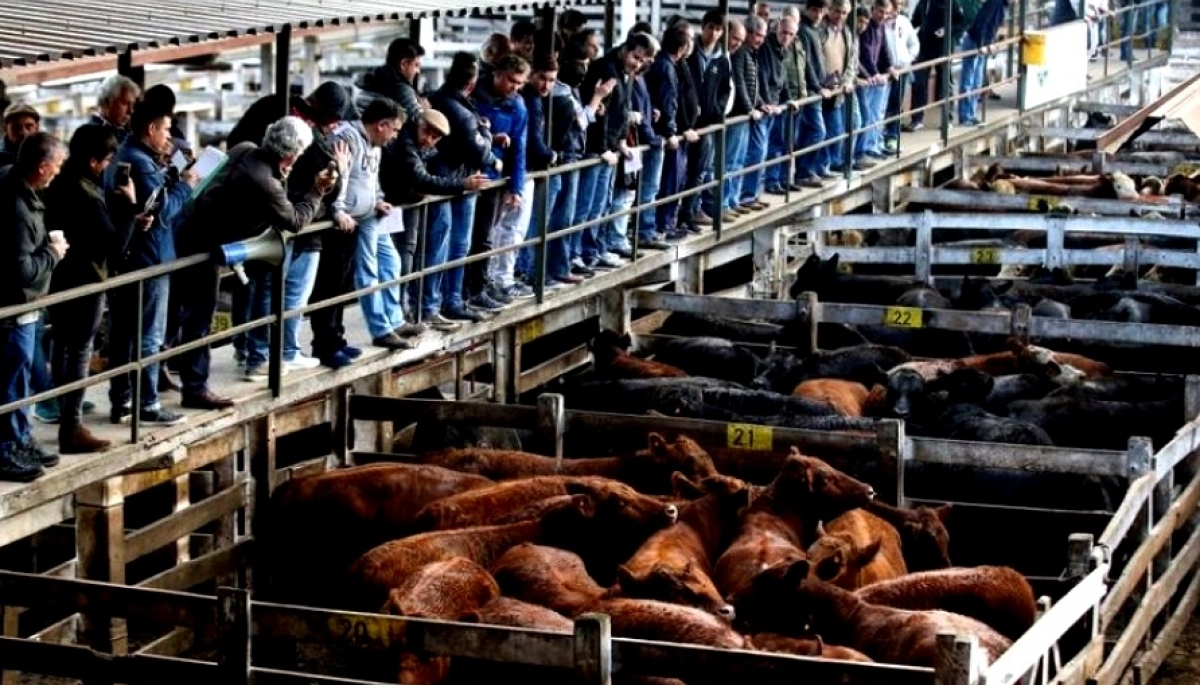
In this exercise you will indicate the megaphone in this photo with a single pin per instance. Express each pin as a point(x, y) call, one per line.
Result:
point(267, 247)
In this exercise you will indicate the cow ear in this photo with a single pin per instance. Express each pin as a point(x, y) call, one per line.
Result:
point(831, 265)
point(864, 556)
point(658, 444)
point(820, 529)
point(685, 487)
point(797, 571)
point(943, 512)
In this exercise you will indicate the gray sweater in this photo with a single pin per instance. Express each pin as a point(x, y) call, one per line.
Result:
point(361, 192)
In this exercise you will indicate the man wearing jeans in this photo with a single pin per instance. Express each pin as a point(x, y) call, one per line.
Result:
point(746, 102)
point(979, 36)
point(27, 265)
point(768, 84)
point(875, 74)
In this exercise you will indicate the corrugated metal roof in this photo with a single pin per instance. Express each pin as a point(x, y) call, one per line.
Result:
point(34, 32)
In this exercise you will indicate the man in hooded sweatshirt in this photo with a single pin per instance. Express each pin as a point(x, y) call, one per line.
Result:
point(359, 209)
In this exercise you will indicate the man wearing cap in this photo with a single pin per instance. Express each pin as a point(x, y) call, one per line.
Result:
point(406, 179)
point(20, 122)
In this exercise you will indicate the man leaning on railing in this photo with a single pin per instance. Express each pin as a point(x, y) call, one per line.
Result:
point(25, 276)
point(246, 196)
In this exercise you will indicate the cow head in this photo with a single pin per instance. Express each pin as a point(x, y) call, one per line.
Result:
point(961, 385)
point(811, 486)
point(981, 294)
point(813, 274)
point(833, 556)
point(765, 604)
point(684, 584)
point(905, 393)
point(925, 540)
point(778, 371)
point(608, 345)
point(443, 590)
point(617, 504)
point(684, 455)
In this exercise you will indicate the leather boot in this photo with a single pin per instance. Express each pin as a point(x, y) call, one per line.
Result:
point(79, 440)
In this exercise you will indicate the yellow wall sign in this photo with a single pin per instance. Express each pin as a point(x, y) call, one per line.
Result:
point(985, 255)
point(1185, 169)
point(746, 436)
point(529, 331)
point(1043, 203)
point(903, 317)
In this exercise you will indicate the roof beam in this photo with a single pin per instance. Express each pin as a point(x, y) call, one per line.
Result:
point(1183, 103)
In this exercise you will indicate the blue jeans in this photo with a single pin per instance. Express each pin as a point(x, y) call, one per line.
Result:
point(833, 155)
point(614, 232)
point(894, 99)
point(1149, 18)
point(17, 349)
point(298, 283)
point(782, 126)
point(872, 103)
point(562, 215)
point(812, 132)
point(652, 176)
point(449, 238)
point(674, 176)
point(737, 137)
point(970, 78)
point(123, 334)
point(377, 261)
point(595, 193)
point(756, 153)
point(707, 150)
point(557, 262)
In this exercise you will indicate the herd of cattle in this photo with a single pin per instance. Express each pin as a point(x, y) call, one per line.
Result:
point(809, 563)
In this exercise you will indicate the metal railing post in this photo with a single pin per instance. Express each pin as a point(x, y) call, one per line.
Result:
point(275, 350)
point(944, 69)
point(848, 108)
point(135, 406)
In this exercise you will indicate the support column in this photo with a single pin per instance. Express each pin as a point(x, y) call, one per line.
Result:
point(100, 545)
point(125, 68)
point(266, 66)
point(283, 65)
point(312, 63)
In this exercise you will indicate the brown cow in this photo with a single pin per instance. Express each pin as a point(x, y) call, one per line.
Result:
point(444, 589)
point(647, 619)
point(785, 600)
point(808, 490)
point(612, 360)
point(549, 577)
point(647, 470)
point(856, 549)
point(803, 646)
point(675, 564)
point(996, 595)
point(763, 540)
point(387, 566)
point(324, 522)
point(483, 506)
point(845, 397)
point(924, 539)
point(506, 611)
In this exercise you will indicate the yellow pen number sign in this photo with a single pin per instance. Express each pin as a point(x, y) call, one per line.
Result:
point(1185, 169)
point(985, 255)
point(529, 331)
point(745, 436)
point(1042, 203)
point(903, 317)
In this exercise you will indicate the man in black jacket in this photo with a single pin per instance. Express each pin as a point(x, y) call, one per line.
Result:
point(930, 19)
point(98, 228)
point(662, 82)
point(406, 179)
point(397, 79)
point(747, 101)
point(711, 73)
point(28, 260)
point(20, 122)
point(607, 140)
point(811, 167)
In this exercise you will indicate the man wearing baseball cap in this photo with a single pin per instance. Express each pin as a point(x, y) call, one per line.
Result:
point(406, 179)
point(20, 122)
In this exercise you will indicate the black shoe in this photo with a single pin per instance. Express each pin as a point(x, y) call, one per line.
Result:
point(582, 271)
point(119, 415)
point(160, 417)
point(391, 341)
point(654, 244)
point(16, 467)
point(34, 453)
point(485, 302)
point(462, 314)
point(497, 295)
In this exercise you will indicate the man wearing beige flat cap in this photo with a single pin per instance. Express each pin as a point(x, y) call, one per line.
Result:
point(20, 121)
point(406, 179)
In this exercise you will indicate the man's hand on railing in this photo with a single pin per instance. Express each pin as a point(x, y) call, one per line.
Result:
point(655, 115)
point(609, 157)
point(672, 143)
point(501, 140)
point(512, 200)
point(383, 208)
point(475, 182)
point(691, 136)
point(756, 114)
point(344, 222)
point(499, 166)
point(827, 93)
point(143, 222)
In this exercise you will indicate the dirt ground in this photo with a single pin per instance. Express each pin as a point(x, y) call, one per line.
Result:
point(1183, 666)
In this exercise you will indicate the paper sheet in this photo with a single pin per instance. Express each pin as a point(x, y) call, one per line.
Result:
point(393, 222)
point(207, 162)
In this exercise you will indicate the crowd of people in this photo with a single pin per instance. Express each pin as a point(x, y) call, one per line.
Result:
point(367, 158)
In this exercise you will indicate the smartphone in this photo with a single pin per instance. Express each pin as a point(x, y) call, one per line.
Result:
point(122, 174)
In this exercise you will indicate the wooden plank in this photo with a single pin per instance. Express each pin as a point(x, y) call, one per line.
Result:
point(73, 661)
point(301, 416)
point(165, 531)
point(1029, 458)
point(1179, 102)
point(201, 569)
point(1049, 629)
point(549, 370)
point(212, 450)
point(982, 221)
point(1020, 202)
point(1068, 164)
point(1171, 138)
point(706, 664)
point(57, 594)
point(1164, 588)
point(724, 307)
point(1135, 568)
point(376, 632)
point(1150, 660)
point(374, 408)
point(64, 631)
point(1185, 443)
point(268, 676)
point(1078, 671)
point(22, 524)
point(1135, 498)
point(173, 643)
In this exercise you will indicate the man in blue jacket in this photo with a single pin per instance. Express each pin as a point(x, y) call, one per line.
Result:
point(144, 151)
point(979, 36)
point(490, 283)
point(662, 82)
point(464, 152)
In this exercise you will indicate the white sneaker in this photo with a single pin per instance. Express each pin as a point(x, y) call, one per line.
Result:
point(578, 262)
point(301, 362)
point(614, 257)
